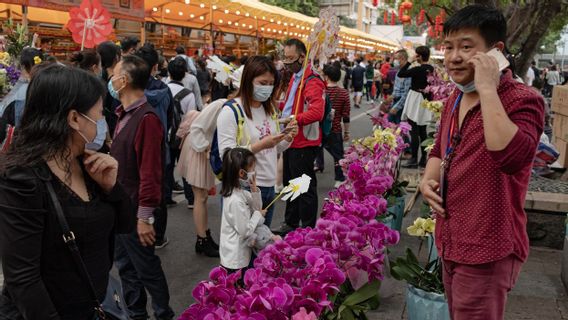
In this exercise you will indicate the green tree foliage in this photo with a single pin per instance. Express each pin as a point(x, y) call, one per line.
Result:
point(307, 7)
point(531, 23)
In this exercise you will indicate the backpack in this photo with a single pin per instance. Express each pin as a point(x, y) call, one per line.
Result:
point(173, 140)
point(327, 120)
point(215, 157)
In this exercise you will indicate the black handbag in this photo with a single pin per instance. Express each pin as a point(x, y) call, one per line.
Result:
point(113, 307)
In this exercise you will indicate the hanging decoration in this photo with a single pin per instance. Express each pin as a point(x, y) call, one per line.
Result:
point(404, 12)
point(393, 18)
point(89, 24)
point(322, 44)
point(421, 17)
point(386, 17)
point(324, 39)
point(375, 3)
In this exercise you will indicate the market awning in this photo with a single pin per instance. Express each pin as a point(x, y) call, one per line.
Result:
point(252, 18)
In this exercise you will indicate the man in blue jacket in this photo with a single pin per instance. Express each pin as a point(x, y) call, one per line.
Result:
point(160, 97)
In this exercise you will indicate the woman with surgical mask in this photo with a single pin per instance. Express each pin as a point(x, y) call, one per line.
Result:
point(261, 131)
point(52, 168)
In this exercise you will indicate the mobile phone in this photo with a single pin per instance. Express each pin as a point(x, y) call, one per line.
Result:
point(287, 130)
point(497, 54)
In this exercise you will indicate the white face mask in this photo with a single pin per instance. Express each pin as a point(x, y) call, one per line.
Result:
point(468, 88)
point(262, 93)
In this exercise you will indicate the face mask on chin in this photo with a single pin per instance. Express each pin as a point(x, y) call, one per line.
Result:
point(468, 88)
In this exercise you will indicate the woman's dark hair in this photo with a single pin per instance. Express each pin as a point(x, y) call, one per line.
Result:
point(177, 68)
point(110, 54)
point(332, 72)
point(27, 58)
point(137, 70)
point(490, 23)
point(423, 52)
point(44, 133)
point(233, 161)
point(257, 66)
point(553, 68)
point(85, 59)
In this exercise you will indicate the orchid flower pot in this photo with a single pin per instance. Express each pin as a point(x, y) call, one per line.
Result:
point(422, 305)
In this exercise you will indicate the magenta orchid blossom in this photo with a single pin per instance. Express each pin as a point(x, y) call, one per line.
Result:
point(296, 278)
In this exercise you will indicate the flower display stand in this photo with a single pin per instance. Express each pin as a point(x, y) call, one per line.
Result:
point(422, 305)
point(397, 212)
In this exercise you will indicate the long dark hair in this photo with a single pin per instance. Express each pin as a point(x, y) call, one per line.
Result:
point(233, 161)
point(44, 133)
point(257, 66)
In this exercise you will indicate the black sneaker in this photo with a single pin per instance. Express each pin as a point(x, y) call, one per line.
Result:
point(284, 230)
point(177, 188)
point(171, 203)
point(162, 243)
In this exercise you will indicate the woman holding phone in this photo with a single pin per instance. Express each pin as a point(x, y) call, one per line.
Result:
point(261, 130)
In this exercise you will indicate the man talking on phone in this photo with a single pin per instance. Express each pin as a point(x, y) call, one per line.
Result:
point(478, 173)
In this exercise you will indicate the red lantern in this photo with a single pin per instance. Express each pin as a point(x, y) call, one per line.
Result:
point(386, 18)
point(406, 19)
point(406, 5)
point(375, 3)
point(393, 18)
point(400, 13)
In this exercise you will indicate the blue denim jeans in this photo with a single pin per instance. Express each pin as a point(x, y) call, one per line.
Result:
point(140, 269)
point(267, 194)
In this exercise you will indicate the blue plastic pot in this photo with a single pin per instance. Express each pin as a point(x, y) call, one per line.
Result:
point(397, 210)
point(432, 248)
point(422, 305)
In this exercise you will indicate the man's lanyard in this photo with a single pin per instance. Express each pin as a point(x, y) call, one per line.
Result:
point(450, 147)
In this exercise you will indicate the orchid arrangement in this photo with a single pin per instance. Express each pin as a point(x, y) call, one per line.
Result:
point(440, 87)
point(330, 272)
point(409, 269)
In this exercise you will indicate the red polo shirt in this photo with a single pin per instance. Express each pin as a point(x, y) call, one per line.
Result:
point(486, 191)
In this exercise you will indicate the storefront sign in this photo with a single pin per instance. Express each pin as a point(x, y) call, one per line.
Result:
point(119, 9)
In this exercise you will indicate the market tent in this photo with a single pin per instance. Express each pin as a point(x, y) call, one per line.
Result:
point(252, 18)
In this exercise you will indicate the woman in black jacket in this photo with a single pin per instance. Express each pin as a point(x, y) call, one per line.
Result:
point(61, 130)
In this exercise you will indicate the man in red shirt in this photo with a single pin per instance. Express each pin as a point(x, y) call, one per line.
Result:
point(139, 147)
point(478, 173)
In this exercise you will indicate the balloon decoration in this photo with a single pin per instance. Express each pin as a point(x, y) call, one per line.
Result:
point(89, 24)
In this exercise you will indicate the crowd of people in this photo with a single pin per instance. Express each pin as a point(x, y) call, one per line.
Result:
point(99, 141)
point(109, 130)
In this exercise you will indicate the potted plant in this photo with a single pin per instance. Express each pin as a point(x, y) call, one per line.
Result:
point(425, 299)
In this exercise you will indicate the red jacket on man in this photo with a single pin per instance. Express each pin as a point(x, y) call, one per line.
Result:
point(312, 108)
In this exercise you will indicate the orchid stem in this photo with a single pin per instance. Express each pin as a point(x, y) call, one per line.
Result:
point(273, 201)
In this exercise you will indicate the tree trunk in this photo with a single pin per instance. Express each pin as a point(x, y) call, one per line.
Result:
point(540, 18)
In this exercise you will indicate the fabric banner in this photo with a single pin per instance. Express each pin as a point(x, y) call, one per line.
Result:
point(119, 9)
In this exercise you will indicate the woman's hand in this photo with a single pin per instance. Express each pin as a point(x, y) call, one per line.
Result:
point(272, 140)
point(102, 168)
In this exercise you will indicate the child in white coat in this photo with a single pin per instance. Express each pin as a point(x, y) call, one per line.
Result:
point(242, 209)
